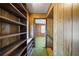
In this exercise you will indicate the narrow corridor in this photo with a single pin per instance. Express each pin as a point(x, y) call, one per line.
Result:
point(39, 29)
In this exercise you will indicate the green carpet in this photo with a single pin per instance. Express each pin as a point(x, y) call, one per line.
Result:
point(40, 42)
point(39, 49)
point(39, 52)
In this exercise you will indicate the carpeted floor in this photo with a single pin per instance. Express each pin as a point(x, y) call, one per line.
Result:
point(39, 52)
point(40, 42)
point(40, 49)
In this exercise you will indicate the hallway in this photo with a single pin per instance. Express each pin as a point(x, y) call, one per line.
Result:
point(39, 29)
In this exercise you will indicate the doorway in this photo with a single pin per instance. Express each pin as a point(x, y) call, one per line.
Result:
point(40, 33)
point(40, 37)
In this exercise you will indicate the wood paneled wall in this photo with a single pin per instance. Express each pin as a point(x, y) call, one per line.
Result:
point(75, 42)
point(49, 26)
point(65, 29)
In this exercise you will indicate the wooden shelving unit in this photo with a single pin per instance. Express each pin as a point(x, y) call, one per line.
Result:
point(10, 35)
point(12, 9)
point(22, 51)
point(4, 19)
point(30, 46)
point(7, 50)
point(16, 36)
point(20, 6)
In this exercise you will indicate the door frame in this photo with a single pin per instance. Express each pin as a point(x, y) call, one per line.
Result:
point(45, 29)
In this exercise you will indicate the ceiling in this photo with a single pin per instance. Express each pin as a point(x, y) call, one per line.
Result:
point(38, 7)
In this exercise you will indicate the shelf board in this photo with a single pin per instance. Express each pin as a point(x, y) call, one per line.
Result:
point(20, 6)
point(23, 7)
point(22, 51)
point(12, 9)
point(29, 40)
point(11, 35)
point(4, 19)
point(19, 51)
point(18, 10)
point(30, 51)
point(30, 45)
point(11, 48)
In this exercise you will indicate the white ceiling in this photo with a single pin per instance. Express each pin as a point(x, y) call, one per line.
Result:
point(38, 7)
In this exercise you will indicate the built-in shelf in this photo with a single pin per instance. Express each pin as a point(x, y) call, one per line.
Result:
point(30, 46)
point(18, 11)
point(30, 51)
point(12, 9)
point(29, 40)
point(22, 50)
point(11, 48)
point(23, 7)
point(4, 19)
point(20, 6)
point(11, 35)
point(19, 51)
point(13, 29)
